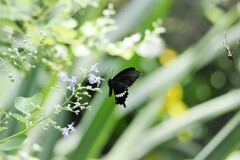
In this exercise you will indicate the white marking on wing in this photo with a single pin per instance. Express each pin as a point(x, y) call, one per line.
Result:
point(121, 94)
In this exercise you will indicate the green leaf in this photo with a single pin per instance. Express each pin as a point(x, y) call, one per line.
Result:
point(27, 105)
point(168, 129)
point(224, 142)
point(101, 118)
point(128, 139)
point(12, 144)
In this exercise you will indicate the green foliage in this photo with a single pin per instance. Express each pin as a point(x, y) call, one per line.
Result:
point(219, 148)
point(28, 105)
point(12, 144)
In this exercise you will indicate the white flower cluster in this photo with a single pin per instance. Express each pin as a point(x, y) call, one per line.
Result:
point(152, 45)
point(148, 45)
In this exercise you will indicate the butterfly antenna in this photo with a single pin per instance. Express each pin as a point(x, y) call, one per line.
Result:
point(112, 72)
point(109, 72)
point(229, 53)
point(104, 83)
point(237, 45)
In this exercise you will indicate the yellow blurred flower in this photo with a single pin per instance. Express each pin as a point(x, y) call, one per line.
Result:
point(176, 108)
point(174, 93)
point(167, 56)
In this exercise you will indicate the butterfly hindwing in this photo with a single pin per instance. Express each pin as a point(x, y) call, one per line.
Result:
point(121, 93)
point(120, 84)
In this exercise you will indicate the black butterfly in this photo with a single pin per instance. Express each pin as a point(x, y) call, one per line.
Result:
point(120, 84)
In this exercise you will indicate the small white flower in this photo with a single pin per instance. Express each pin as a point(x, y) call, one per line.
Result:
point(76, 112)
point(94, 68)
point(63, 77)
point(71, 127)
point(65, 132)
point(73, 81)
point(89, 30)
point(95, 79)
point(92, 79)
point(151, 47)
point(57, 109)
point(81, 50)
point(130, 41)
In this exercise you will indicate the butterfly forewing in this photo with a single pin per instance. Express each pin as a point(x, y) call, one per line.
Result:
point(126, 77)
point(120, 84)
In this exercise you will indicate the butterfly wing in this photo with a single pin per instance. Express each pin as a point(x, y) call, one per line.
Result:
point(121, 94)
point(121, 82)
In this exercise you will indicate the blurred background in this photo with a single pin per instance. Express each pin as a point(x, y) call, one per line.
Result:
point(185, 105)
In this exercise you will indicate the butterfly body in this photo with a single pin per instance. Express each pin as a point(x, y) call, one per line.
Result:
point(120, 84)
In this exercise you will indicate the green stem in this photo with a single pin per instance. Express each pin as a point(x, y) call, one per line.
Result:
point(13, 136)
point(3, 119)
point(25, 130)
